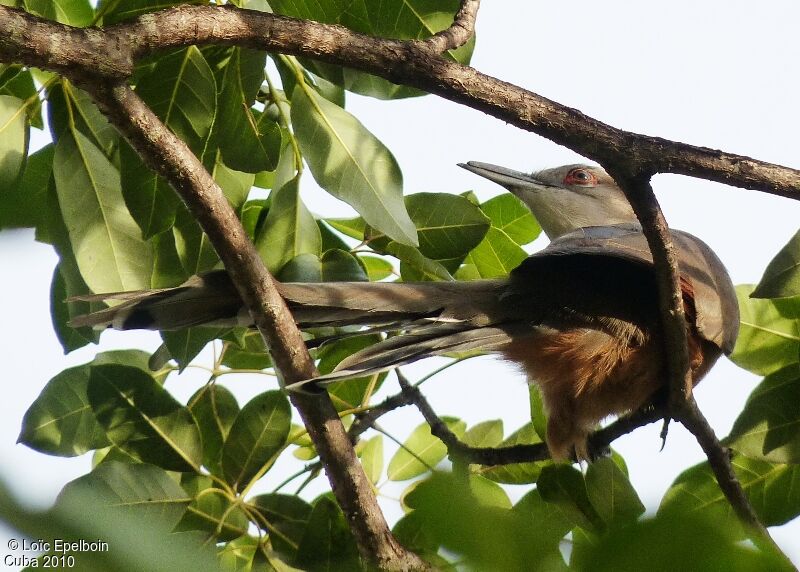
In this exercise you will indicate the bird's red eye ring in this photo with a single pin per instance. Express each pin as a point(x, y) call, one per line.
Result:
point(581, 177)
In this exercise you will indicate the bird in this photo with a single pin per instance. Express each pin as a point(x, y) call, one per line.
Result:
point(579, 318)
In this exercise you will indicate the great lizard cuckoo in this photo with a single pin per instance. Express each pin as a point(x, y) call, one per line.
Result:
point(580, 317)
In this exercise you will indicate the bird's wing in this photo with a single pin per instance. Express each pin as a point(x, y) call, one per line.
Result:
point(707, 280)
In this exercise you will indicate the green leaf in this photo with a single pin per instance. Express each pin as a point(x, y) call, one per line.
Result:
point(211, 510)
point(250, 140)
point(421, 451)
point(377, 268)
point(192, 244)
point(17, 81)
point(115, 505)
point(141, 418)
point(352, 227)
point(252, 354)
point(149, 197)
point(768, 341)
point(71, 109)
point(181, 90)
point(258, 434)
point(510, 215)
point(414, 266)
point(305, 453)
point(287, 517)
point(67, 279)
point(400, 19)
point(244, 554)
point(538, 416)
point(105, 239)
point(235, 185)
point(563, 485)
point(289, 229)
point(327, 543)
point(331, 240)
point(73, 12)
point(488, 536)
point(550, 521)
point(484, 434)
point(352, 164)
point(61, 311)
point(372, 458)
point(252, 212)
point(185, 345)
point(670, 542)
point(167, 268)
point(21, 204)
point(141, 490)
point(488, 493)
point(412, 532)
point(265, 179)
point(334, 266)
point(328, 90)
point(14, 130)
point(495, 257)
point(768, 427)
point(133, 358)
point(60, 421)
point(612, 494)
point(448, 226)
point(773, 489)
point(782, 276)
point(215, 409)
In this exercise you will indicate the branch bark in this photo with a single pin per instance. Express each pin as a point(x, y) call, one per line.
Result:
point(169, 156)
point(490, 456)
point(112, 53)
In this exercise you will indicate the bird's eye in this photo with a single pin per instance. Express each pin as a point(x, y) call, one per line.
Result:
point(581, 177)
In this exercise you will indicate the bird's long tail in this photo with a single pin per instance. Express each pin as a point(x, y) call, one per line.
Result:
point(431, 317)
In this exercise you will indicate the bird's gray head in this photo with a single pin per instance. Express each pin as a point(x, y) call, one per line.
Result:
point(563, 198)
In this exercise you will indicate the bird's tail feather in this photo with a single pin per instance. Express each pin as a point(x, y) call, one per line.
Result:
point(212, 299)
point(412, 346)
point(430, 318)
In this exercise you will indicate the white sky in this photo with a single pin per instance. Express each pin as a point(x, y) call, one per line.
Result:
point(718, 74)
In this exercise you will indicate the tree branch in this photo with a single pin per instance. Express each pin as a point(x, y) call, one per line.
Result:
point(640, 194)
point(112, 53)
point(168, 156)
point(598, 440)
point(719, 458)
point(461, 30)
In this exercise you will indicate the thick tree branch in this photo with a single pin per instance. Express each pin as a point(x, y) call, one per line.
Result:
point(643, 200)
point(168, 156)
point(113, 52)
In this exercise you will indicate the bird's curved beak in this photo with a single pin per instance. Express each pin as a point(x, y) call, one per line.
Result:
point(514, 181)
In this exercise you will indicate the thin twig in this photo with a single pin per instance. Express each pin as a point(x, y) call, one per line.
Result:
point(719, 459)
point(459, 32)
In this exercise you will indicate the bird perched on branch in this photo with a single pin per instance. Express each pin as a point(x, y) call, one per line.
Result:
point(580, 317)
